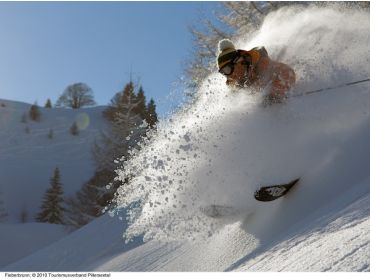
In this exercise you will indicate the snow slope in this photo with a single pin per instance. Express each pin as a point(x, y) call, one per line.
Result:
point(328, 240)
point(82, 250)
point(20, 240)
point(333, 242)
point(28, 160)
point(225, 145)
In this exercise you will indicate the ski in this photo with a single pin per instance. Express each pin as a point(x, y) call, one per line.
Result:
point(270, 193)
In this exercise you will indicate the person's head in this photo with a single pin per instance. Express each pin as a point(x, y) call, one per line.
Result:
point(233, 65)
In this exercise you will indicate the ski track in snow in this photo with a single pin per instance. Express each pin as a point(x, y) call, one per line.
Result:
point(337, 244)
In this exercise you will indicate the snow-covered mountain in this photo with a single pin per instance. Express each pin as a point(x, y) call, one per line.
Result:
point(225, 145)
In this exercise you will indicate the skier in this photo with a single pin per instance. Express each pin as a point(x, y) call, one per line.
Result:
point(254, 68)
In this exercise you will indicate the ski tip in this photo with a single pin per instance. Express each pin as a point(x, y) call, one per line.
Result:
point(270, 193)
point(295, 181)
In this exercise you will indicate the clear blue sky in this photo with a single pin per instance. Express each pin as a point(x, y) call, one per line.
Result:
point(45, 46)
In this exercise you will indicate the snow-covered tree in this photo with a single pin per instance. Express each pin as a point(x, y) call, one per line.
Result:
point(52, 209)
point(76, 96)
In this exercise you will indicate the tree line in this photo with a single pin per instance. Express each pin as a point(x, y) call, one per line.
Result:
point(130, 118)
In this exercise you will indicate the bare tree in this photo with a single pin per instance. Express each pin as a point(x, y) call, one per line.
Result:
point(76, 96)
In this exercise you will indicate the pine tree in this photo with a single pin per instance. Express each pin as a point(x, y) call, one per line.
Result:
point(126, 114)
point(127, 119)
point(151, 114)
point(74, 129)
point(125, 132)
point(3, 213)
point(35, 113)
point(24, 215)
point(52, 210)
point(112, 107)
point(89, 202)
point(141, 103)
point(51, 134)
point(48, 104)
point(24, 118)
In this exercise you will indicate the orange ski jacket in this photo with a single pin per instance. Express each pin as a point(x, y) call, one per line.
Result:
point(275, 76)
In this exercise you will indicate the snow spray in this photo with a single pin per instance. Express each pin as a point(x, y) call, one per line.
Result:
point(225, 145)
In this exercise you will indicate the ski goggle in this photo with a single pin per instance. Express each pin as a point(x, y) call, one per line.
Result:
point(228, 69)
